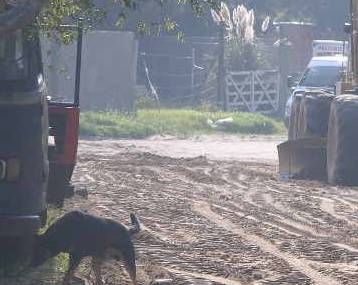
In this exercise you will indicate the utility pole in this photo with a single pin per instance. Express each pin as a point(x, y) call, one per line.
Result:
point(285, 49)
point(78, 62)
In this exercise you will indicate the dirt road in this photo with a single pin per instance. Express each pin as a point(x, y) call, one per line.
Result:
point(249, 149)
point(216, 218)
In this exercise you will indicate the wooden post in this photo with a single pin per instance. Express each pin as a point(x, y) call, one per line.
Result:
point(78, 62)
point(253, 105)
point(222, 99)
point(284, 60)
point(192, 75)
point(2, 6)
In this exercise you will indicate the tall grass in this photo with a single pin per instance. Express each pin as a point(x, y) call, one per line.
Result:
point(178, 122)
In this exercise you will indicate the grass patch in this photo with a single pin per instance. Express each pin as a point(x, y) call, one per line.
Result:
point(177, 122)
point(59, 263)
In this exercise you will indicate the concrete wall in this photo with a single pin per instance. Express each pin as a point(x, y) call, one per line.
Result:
point(108, 79)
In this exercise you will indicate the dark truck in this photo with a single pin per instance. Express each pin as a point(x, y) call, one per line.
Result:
point(31, 171)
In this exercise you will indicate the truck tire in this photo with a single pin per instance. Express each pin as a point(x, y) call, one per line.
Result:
point(15, 250)
point(342, 141)
point(56, 193)
point(294, 117)
point(315, 110)
point(59, 185)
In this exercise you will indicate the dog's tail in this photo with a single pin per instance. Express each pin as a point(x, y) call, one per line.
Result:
point(136, 227)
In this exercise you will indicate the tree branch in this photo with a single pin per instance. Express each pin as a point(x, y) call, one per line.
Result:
point(19, 15)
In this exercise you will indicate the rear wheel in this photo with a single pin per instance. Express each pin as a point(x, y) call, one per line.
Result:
point(342, 141)
point(59, 186)
point(15, 253)
point(56, 194)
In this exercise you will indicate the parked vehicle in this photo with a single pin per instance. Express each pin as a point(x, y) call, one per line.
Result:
point(24, 132)
point(31, 171)
point(322, 72)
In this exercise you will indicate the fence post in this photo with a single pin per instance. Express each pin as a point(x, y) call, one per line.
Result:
point(252, 95)
point(285, 51)
point(192, 74)
point(284, 60)
point(221, 69)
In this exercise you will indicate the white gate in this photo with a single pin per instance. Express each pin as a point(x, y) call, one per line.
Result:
point(253, 91)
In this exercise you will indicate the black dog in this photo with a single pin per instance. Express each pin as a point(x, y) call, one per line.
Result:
point(82, 235)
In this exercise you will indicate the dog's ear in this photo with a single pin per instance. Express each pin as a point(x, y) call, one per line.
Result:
point(136, 227)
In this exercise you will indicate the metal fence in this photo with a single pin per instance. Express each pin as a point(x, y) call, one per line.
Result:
point(176, 74)
point(187, 74)
point(173, 85)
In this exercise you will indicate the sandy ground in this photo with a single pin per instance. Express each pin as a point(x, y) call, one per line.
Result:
point(214, 212)
point(255, 148)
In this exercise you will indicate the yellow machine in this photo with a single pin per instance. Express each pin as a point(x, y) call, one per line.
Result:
point(323, 132)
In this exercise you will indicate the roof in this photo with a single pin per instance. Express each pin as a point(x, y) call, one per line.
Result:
point(330, 48)
point(336, 60)
point(293, 24)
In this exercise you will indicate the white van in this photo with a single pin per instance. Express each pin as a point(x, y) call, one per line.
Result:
point(323, 72)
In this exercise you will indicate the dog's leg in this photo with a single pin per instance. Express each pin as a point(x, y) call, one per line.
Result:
point(74, 262)
point(96, 266)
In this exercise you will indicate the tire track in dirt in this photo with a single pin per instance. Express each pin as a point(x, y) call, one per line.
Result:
point(351, 205)
point(161, 189)
point(305, 225)
point(346, 247)
point(327, 205)
point(203, 209)
point(282, 217)
point(339, 266)
point(280, 223)
point(250, 217)
point(210, 278)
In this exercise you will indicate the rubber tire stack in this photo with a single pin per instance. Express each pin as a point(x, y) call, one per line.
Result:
point(342, 141)
point(314, 115)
